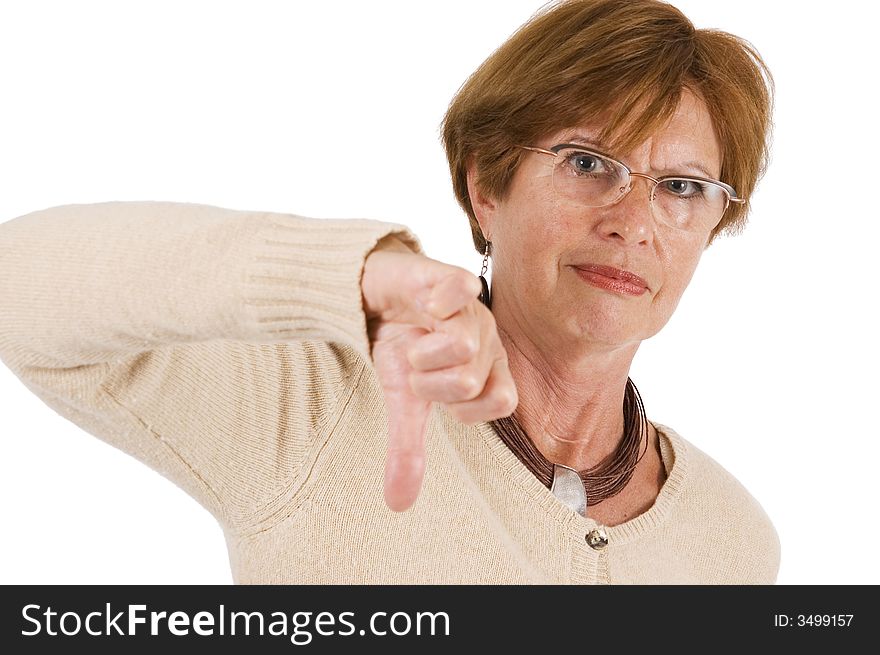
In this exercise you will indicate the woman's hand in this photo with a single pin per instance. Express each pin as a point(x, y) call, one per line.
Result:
point(432, 340)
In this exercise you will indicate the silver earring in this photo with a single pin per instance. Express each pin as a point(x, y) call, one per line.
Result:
point(485, 293)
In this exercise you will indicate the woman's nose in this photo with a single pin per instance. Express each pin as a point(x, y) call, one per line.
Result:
point(631, 217)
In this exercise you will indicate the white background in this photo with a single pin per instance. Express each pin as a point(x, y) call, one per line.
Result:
point(332, 110)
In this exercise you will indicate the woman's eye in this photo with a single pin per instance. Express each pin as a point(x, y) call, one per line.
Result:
point(583, 162)
point(683, 188)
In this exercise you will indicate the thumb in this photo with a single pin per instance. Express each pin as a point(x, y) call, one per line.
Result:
point(407, 421)
point(405, 460)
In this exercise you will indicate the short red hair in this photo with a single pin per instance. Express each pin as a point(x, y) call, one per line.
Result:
point(576, 59)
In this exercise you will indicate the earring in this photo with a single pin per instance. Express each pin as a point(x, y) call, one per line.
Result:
point(486, 294)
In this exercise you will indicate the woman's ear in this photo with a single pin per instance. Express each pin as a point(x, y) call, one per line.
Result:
point(484, 207)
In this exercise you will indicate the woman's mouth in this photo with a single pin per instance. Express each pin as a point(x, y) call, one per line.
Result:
point(612, 279)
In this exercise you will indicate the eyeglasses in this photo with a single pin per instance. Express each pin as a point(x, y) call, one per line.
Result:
point(592, 179)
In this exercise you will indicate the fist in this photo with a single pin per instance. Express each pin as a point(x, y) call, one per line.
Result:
point(431, 340)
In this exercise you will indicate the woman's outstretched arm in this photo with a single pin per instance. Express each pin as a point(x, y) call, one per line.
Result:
point(213, 344)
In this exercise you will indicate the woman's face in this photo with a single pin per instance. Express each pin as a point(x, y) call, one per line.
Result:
point(538, 239)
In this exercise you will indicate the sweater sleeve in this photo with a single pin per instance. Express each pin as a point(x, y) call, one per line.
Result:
point(215, 345)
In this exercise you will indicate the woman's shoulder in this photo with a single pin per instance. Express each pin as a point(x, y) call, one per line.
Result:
point(715, 498)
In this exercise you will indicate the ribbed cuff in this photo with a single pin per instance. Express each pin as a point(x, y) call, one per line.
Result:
point(304, 281)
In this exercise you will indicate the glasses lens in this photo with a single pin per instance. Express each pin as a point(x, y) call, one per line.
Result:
point(688, 204)
point(587, 178)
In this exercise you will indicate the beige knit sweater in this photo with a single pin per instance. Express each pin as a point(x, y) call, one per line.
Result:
point(228, 350)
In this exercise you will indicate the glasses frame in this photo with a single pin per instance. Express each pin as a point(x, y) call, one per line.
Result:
point(729, 191)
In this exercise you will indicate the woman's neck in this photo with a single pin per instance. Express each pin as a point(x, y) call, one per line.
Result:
point(572, 406)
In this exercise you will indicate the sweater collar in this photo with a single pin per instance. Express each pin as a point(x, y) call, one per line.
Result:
point(673, 451)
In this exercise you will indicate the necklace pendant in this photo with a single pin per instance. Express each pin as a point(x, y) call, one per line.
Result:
point(569, 488)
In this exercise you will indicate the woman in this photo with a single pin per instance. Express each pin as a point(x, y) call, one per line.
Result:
point(274, 365)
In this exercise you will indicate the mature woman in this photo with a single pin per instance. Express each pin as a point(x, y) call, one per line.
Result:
point(274, 366)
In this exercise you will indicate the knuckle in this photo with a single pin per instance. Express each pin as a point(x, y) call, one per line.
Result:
point(499, 404)
point(468, 384)
point(468, 282)
point(467, 346)
point(490, 328)
point(504, 401)
point(512, 403)
point(467, 278)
